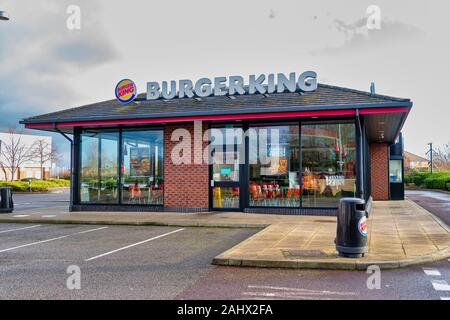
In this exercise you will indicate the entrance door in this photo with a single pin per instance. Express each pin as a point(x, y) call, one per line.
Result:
point(225, 169)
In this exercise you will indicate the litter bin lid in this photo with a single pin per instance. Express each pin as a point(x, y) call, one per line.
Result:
point(352, 200)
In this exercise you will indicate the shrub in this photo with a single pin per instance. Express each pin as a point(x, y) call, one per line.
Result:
point(435, 180)
point(36, 185)
point(59, 182)
point(16, 185)
point(418, 177)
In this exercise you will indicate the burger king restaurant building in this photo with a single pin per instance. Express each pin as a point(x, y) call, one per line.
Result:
point(274, 143)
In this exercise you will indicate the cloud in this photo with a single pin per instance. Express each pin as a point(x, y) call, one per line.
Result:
point(38, 55)
point(356, 36)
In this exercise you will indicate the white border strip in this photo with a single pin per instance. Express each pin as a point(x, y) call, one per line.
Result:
point(431, 272)
point(52, 239)
point(18, 229)
point(440, 285)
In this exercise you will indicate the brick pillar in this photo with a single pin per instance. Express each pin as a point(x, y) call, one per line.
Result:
point(379, 171)
point(186, 186)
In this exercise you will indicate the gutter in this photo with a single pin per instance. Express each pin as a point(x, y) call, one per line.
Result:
point(72, 171)
point(361, 156)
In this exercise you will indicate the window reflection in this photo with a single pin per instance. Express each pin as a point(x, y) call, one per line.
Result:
point(142, 167)
point(274, 165)
point(225, 197)
point(328, 163)
point(99, 167)
point(395, 171)
point(226, 144)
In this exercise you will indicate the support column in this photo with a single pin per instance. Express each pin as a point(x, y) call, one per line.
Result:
point(379, 171)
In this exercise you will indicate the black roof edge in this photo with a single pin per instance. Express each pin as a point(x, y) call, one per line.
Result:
point(406, 103)
point(142, 97)
point(376, 95)
point(400, 127)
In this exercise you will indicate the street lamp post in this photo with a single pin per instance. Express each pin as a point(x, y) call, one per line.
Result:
point(4, 16)
point(430, 151)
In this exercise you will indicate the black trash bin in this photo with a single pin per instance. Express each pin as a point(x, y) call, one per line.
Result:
point(6, 200)
point(351, 233)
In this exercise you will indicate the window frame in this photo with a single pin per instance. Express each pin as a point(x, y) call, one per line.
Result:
point(299, 122)
point(120, 131)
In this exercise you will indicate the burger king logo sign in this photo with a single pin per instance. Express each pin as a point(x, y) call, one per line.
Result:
point(125, 91)
point(362, 226)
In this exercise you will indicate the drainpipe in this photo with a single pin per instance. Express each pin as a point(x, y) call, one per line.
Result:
point(72, 171)
point(361, 157)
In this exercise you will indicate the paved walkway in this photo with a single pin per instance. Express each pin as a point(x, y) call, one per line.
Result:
point(401, 233)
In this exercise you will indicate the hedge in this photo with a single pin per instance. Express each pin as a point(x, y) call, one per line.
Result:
point(435, 180)
point(36, 185)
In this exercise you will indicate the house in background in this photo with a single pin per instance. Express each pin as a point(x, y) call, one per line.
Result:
point(31, 168)
point(414, 162)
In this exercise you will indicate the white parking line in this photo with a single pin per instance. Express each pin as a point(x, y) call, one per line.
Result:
point(431, 272)
point(302, 291)
point(52, 239)
point(21, 215)
point(445, 298)
point(440, 285)
point(24, 228)
point(281, 295)
point(134, 244)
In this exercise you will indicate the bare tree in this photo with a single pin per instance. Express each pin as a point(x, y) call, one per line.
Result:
point(441, 157)
point(43, 152)
point(14, 153)
point(2, 166)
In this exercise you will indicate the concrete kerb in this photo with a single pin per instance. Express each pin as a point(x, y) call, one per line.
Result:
point(333, 265)
point(137, 223)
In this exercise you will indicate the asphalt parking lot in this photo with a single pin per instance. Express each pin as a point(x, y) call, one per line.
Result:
point(115, 262)
point(25, 201)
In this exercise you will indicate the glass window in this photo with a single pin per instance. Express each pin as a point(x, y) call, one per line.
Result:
point(395, 171)
point(274, 166)
point(142, 167)
point(328, 163)
point(99, 167)
point(225, 197)
point(226, 146)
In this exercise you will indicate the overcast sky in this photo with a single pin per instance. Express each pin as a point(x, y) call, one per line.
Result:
point(47, 67)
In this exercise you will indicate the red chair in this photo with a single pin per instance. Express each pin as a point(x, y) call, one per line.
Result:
point(270, 191)
point(297, 191)
point(278, 192)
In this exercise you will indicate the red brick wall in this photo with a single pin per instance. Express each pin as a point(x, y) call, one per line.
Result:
point(379, 167)
point(186, 186)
